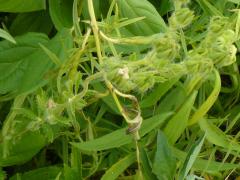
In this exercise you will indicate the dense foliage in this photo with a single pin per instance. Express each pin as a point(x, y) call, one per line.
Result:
point(119, 89)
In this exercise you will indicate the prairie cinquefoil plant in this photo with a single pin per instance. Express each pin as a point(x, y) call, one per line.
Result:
point(119, 89)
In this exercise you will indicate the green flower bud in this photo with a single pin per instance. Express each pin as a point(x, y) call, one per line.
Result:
point(181, 18)
point(166, 47)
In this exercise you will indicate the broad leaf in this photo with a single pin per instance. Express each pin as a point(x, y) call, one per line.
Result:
point(24, 65)
point(31, 22)
point(21, 5)
point(164, 165)
point(23, 150)
point(61, 13)
point(153, 22)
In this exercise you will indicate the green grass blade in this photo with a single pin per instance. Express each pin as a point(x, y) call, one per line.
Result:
point(119, 137)
point(146, 166)
point(191, 157)
point(119, 167)
point(217, 137)
point(152, 98)
point(209, 102)
point(7, 36)
point(180, 120)
point(206, 165)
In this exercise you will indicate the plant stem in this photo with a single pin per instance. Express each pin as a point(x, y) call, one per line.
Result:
point(95, 29)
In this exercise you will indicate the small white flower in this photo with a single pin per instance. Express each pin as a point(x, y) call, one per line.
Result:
point(124, 72)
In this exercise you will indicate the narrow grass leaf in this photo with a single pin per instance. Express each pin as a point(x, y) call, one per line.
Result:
point(209, 8)
point(217, 137)
point(146, 165)
point(205, 165)
point(119, 137)
point(203, 109)
point(46, 173)
point(156, 94)
point(119, 167)
point(5, 35)
point(234, 1)
point(179, 121)
point(191, 157)
point(51, 55)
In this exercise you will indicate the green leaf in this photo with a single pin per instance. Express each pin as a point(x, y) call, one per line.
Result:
point(119, 137)
point(164, 165)
point(166, 6)
point(108, 100)
point(23, 149)
point(234, 1)
point(2, 174)
point(146, 165)
point(204, 108)
point(209, 8)
point(46, 173)
point(206, 165)
point(172, 101)
point(31, 22)
point(21, 5)
point(119, 167)
point(61, 13)
point(70, 173)
point(24, 65)
point(179, 121)
point(7, 36)
point(153, 22)
point(191, 157)
point(217, 136)
point(155, 95)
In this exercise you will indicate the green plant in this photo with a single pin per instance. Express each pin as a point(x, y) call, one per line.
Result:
point(119, 89)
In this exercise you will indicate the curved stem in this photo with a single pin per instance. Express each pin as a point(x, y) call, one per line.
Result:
point(95, 29)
